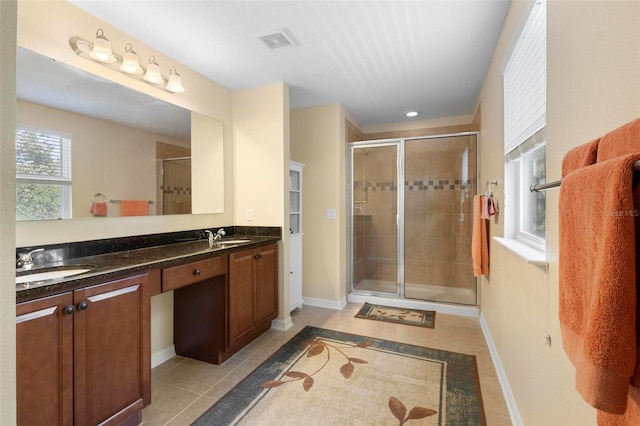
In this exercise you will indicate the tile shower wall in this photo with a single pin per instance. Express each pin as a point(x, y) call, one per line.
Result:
point(375, 220)
point(176, 187)
point(173, 177)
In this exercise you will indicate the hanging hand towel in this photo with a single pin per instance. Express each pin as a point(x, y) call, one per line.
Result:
point(597, 289)
point(99, 208)
point(135, 208)
point(492, 206)
point(479, 243)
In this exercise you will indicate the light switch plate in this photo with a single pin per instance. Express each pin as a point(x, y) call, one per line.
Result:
point(331, 213)
point(249, 214)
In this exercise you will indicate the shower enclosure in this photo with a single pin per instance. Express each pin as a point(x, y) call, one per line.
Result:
point(174, 189)
point(411, 218)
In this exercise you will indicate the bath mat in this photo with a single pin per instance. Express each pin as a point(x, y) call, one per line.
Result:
point(326, 377)
point(398, 315)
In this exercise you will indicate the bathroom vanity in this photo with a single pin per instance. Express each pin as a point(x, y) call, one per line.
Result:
point(83, 342)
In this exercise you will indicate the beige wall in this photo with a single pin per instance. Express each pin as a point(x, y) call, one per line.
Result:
point(7, 212)
point(593, 86)
point(45, 27)
point(317, 140)
point(261, 164)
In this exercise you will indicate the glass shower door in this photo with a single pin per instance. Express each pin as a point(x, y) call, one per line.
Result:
point(440, 182)
point(375, 218)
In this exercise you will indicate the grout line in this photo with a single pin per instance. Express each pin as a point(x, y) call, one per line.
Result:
point(183, 410)
point(171, 368)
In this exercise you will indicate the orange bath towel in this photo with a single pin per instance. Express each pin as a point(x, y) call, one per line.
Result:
point(135, 208)
point(580, 156)
point(622, 141)
point(598, 279)
point(479, 242)
point(631, 416)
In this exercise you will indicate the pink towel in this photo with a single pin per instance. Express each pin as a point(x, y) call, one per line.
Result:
point(135, 208)
point(99, 208)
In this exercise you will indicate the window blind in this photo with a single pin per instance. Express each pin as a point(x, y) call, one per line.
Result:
point(525, 81)
point(42, 155)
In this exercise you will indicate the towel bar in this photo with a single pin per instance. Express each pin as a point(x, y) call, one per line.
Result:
point(120, 201)
point(556, 183)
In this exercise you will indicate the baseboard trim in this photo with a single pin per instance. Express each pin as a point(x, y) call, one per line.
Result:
point(326, 303)
point(282, 325)
point(466, 311)
point(502, 375)
point(163, 355)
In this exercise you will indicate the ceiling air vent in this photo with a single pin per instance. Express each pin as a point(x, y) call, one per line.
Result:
point(278, 39)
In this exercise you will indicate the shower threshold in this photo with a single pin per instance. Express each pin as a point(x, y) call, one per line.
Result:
point(427, 293)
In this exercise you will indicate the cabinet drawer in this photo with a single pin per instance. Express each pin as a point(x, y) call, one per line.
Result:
point(190, 273)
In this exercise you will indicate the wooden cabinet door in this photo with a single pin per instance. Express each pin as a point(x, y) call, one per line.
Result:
point(111, 350)
point(241, 295)
point(265, 277)
point(44, 361)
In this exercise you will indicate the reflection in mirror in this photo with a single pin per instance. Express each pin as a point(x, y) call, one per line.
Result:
point(115, 140)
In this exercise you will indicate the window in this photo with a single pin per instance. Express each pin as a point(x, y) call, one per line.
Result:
point(43, 175)
point(524, 131)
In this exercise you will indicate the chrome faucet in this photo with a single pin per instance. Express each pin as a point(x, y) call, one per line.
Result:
point(213, 238)
point(210, 237)
point(219, 234)
point(24, 260)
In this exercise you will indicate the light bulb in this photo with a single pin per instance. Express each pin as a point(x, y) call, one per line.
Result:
point(102, 48)
point(130, 63)
point(175, 82)
point(153, 74)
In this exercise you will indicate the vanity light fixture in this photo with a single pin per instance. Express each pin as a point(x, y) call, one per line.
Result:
point(100, 52)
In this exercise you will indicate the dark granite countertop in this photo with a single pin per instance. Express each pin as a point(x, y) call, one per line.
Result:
point(119, 264)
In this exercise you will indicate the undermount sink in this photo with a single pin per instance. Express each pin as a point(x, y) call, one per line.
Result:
point(46, 274)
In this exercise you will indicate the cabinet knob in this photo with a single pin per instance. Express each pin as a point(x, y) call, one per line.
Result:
point(82, 306)
point(69, 310)
point(197, 272)
point(258, 256)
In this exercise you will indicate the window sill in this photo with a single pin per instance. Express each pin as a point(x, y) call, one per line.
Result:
point(529, 254)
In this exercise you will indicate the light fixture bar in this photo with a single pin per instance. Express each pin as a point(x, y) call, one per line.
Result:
point(83, 48)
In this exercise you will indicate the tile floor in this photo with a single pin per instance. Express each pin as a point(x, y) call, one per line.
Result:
point(182, 388)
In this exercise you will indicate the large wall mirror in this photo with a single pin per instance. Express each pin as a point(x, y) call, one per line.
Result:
point(85, 143)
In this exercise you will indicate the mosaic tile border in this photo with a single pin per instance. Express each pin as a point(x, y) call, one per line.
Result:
point(416, 185)
point(176, 190)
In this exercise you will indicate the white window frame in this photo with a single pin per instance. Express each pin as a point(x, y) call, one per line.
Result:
point(64, 181)
point(524, 122)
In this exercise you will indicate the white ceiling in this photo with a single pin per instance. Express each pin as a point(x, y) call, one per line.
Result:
point(378, 58)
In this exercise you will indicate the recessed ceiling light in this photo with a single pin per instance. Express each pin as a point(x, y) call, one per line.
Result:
point(411, 113)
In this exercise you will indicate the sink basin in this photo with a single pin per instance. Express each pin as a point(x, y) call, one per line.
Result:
point(46, 274)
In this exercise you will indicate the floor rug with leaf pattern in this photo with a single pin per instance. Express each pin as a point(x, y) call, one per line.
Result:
point(325, 377)
point(397, 315)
